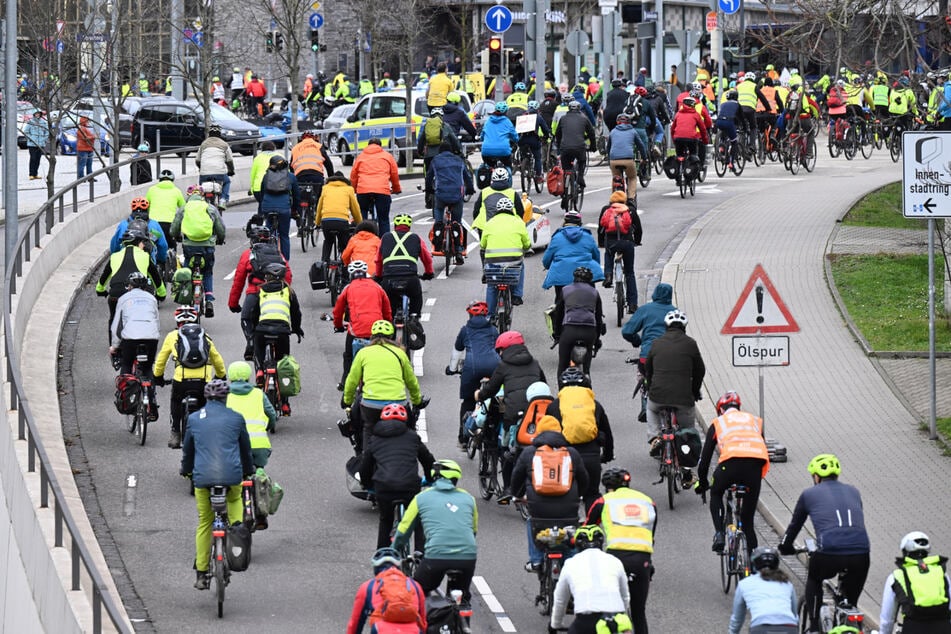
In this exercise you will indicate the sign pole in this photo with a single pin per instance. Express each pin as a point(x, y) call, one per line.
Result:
point(932, 414)
point(762, 393)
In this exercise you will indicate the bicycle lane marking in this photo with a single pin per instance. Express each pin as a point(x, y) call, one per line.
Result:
point(421, 426)
point(492, 603)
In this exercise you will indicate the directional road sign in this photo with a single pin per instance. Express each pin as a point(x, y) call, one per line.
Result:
point(926, 175)
point(757, 351)
point(316, 20)
point(498, 19)
point(730, 7)
point(759, 309)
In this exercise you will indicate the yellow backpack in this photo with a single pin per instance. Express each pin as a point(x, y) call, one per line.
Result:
point(578, 424)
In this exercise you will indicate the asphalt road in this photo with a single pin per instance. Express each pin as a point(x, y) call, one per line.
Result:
point(308, 564)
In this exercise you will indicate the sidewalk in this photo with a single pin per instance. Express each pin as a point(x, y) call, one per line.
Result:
point(832, 397)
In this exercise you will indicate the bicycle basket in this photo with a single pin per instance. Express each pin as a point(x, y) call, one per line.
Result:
point(507, 273)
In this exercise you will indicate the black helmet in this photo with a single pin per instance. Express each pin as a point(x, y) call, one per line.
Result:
point(588, 536)
point(257, 234)
point(277, 162)
point(573, 375)
point(583, 274)
point(615, 477)
point(275, 271)
point(616, 83)
point(138, 280)
point(765, 557)
point(134, 235)
point(214, 130)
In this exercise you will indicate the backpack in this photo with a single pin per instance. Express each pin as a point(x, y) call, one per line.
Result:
point(556, 181)
point(578, 411)
point(552, 473)
point(835, 98)
point(354, 91)
point(128, 389)
point(288, 376)
point(192, 346)
point(415, 335)
point(634, 107)
point(399, 602)
point(483, 176)
point(689, 444)
point(197, 224)
point(262, 254)
point(276, 182)
point(182, 285)
point(433, 131)
point(527, 428)
point(615, 221)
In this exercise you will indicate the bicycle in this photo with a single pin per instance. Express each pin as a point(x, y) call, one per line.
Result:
point(766, 147)
point(335, 274)
point(555, 543)
point(401, 315)
point(139, 420)
point(658, 157)
point(307, 230)
point(686, 178)
point(451, 238)
point(842, 139)
point(894, 140)
point(573, 197)
point(212, 197)
point(171, 265)
point(267, 378)
point(735, 558)
point(620, 300)
point(835, 610)
point(196, 263)
point(726, 156)
point(670, 471)
point(601, 139)
point(487, 439)
point(218, 569)
point(864, 136)
point(504, 277)
point(526, 167)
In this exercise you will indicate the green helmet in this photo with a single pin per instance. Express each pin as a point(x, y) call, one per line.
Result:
point(239, 371)
point(448, 469)
point(589, 536)
point(382, 327)
point(825, 465)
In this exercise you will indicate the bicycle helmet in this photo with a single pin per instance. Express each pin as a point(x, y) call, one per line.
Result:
point(729, 400)
point(623, 118)
point(567, 98)
point(574, 375)
point(616, 83)
point(382, 328)
point(274, 271)
point(453, 97)
point(239, 371)
point(500, 175)
point(532, 105)
point(588, 536)
point(357, 268)
point(551, 93)
point(192, 190)
point(572, 218)
point(167, 175)
point(675, 317)
point(436, 112)
point(904, 81)
point(750, 77)
point(732, 95)
point(839, 82)
point(134, 235)
point(309, 134)
point(477, 307)
point(771, 67)
point(504, 205)
point(257, 234)
point(583, 274)
point(825, 465)
point(186, 315)
point(507, 339)
point(403, 220)
point(138, 280)
point(501, 107)
point(537, 389)
point(277, 162)
point(384, 558)
point(640, 90)
point(574, 106)
point(915, 545)
point(615, 477)
point(690, 102)
point(216, 389)
point(214, 130)
point(765, 557)
point(394, 411)
point(449, 469)
point(139, 204)
point(520, 87)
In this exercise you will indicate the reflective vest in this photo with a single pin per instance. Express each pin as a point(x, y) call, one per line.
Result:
point(746, 94)
point(628, 518)
point(366, 87)
point(853, 95)
point(143, 86)
point(880, 95)
point(770, 93)
point(740, 435)
point(902, 100)
point(400, 253)
point(276, 305)
point(307, 155)
point(921, 589)
point(251, 406)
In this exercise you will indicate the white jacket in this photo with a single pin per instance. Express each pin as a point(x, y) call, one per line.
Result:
point(137, 317)
point(214, 157)
point(596, 580)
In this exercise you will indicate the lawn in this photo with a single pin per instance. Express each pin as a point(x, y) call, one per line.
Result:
point(882, 208)
point(887, 298)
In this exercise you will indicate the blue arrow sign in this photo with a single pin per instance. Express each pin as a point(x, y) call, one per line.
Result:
point(499, 19)
point(60, 46)
point(316, 20)
point(730, 7)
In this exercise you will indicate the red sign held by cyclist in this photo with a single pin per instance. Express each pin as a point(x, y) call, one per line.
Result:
point(759, 309)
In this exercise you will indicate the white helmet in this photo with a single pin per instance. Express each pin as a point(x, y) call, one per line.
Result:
point(500, 175)
point(537, 389)
point(750, 76)
point(915, 542)
point(675, 317)
point(504, 205)
point(358, 268)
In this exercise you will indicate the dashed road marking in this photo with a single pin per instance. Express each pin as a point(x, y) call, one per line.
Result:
point(421, 429)
point(430, 301)
point(492, 603)
point(230, 275)
point(128, 505)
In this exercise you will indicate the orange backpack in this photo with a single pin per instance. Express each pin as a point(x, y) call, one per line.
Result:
point(527, 429)
point(398, 602)
point(552, 473)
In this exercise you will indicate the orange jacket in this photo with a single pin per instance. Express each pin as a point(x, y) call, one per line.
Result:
point(307, 155)
point(85, 137)
point(740, 435)
point(374, 172)
point(364, 245)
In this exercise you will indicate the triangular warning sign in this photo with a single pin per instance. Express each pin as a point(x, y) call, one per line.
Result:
point(760, 309)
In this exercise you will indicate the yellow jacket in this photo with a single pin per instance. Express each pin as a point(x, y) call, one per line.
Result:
point(214, 369)
point(259, 168)
point(339, 201)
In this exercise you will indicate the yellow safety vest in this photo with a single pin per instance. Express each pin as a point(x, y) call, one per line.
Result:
point(399, 252)
point(628, 518)
point(251, 406)
point(921, 590)
point(276, 305)
point(880, 95)
point(746, 94)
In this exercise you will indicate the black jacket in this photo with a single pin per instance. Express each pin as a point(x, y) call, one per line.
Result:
point(614, 103)
point(674, 369)
point(389, 461)
point(550, 507)
point(605, 438)
point(580, 305)
point(517, 371)
point(573, 130)
point(457, 119)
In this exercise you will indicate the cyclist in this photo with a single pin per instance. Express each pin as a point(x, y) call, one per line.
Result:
point(165, 199)
point(643, 119)
point(368, 603)
point(337, 210)
point(133, 257)
point(400, 251)
point(575, 137)
point(450, 182)
point(689, 130)
point(280, 195)
point(500, 186)
point(140, 212)
point(474, 351)
point(843, 546)
point(619, 226)
point(649, 321)
point(365, 303)
point(585, 425)
point(855, 103)
point(389, 466)
point(744, 460)
point(277, 314)
point(748, 96)
point(516, 371)
point(623, 141)
point(661, 105)
point(519, 96)
point(547, 107)
point(578, 318)
point(531, 140)
point(902, 104)
point(504, 241)
point(217, 452)
point(387, 377)
point(594, 579)
point(250, 272)
point(448, 516)
point(880, 94)
point(727, 116)
point(674, 372)
point(629, 519)
point(456, 117)
point(918, 588)
point(199, 227)
point(311, 163)
point(375, 178)
point(434, 133)
point(547, 508)
point(439, 87)
point(766, 113)
point(259, 415)
point(836, 101)
point(218, 162)
point(136, 324)
point(498, 137)
point(769, 596)
point(185, 381)
point(614, 102)
point(259, 167)
point(571, 246)
point(363, 246)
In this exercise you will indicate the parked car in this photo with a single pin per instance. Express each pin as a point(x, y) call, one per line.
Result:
point(66, 125)
point(25, 112)
point(169, 124)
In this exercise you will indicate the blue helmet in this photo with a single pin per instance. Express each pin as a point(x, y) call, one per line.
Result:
point(520, 87)
point(532, 106)
point(501, 107)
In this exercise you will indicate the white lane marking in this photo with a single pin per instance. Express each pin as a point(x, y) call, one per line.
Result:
point(418, 362)
point(421, 429)
point(491, 602)
point(430, 301)
point(230, 275)
point(128, 505)
point(557, 201)
point(424, 316)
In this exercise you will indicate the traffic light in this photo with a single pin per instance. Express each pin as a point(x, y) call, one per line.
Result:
point(279, 41)
point(495, 56)
point(314, 40)
point(269, 42)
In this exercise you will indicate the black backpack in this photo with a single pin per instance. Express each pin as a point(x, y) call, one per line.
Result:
point(262, 254)
point(634, 107)
point(277, 181)
point(192, 346)
point(442, 616)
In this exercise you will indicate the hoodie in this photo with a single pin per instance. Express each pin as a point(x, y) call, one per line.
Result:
point(621, 143)
point(457, 119)
point(570, 247)
point(498, 136)
point(550, 507)
point(338, 201)
point(389, 461)
point(648, 320)
point(517, 371)
point(477, 338)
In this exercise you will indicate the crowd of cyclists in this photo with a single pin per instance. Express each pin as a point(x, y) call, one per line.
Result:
point(553, 439)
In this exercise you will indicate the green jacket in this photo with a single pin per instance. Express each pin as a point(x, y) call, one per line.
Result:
point(386, 373)
point(217, 235)
point(449, 518)
point(504, 238)
point(165, 199)
point(259, 168)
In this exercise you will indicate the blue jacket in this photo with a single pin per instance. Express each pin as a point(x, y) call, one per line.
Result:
point(570, 248)
point(768, 602)
point(36, 133)
point(281, 202)
point(217, 448)
point(158, 237)
point(585, 106)
point(837, 518)
point(621, 142)
point(450, 177)
point(498, 136)
point(477, 338)
point(649, 319)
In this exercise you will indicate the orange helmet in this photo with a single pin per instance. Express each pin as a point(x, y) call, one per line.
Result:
point(140, 204)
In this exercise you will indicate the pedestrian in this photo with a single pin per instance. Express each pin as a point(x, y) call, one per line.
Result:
point(140, 167)
point(37, 138)
point(85, 146)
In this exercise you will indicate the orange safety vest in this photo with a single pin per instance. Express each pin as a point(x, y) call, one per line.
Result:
point(307, 156)
point(740, 435)
point(770, 93)
point(708, 93)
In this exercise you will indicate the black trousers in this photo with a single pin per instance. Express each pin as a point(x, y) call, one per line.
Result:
point(36, 153)
point(249, 312)
point(825, 566)
point(639, 571)
point(569, 335)
point(334, 230)
point(384, 502)
point(430, 572)
point(181, 389)
point(744, 471)
point(397, 286)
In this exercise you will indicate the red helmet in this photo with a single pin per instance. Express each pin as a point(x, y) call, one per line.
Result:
point(728, 400)
point(508, 338)
point(477, 307)
point(640, 90)
point(393, 411)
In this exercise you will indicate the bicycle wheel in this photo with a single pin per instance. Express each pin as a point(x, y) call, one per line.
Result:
point(759, 152)
point(834, 148)
point(693, 186)
point(772, 151)
point(472, 444)
point(219, 565)
point(486, 464)
point(449, 246)
point(683, 185)
point(809, 160)
point(671, 486)
point(644, 173)
point(894, 146)
point(726, 578)
point(619, 297)
point(142, 422)
point(333, 275)
point(720, 161)
point(527, 175)
point(850, 143)
point(865, 143)
point(739, 162)
point(547, 589)
point(579, 199)
point(741, 566)
point(878, 135)
point(794, 157)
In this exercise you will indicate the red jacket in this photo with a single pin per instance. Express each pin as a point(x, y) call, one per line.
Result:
point(688, 124)
point(365, 302)
point(85, 137)
point(360, 614)
point(242, 273)
point(256, 88)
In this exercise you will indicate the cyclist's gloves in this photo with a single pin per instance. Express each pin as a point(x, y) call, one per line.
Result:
point(786, 549)
point(607, 457)
point(158, 381)
point(603, 329)
point(219, 241)
point(698, 396)
point(102, 293)
point(427, 276)
point(300, 335)
point(701, 486)
point(339, 330)
point(343, 403)
point(235, 309)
